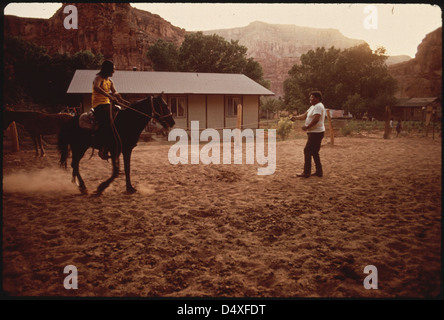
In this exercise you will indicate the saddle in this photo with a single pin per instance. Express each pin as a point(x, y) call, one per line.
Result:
point(89, 122)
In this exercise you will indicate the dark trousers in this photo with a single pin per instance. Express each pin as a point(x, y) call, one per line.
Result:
point(102, 115)
point(312, 150)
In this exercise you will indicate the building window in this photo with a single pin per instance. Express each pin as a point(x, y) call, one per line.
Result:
point(231, 104)
point(178, 106)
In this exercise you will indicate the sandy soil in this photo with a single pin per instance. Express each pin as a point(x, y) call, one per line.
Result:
point(223, 230)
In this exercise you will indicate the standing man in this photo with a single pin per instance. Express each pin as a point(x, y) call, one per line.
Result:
point(314, 125)
point(398, 127)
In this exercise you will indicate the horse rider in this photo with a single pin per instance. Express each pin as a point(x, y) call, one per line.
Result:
point(104, 94)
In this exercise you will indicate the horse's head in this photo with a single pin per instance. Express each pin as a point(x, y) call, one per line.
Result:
point(162, 113)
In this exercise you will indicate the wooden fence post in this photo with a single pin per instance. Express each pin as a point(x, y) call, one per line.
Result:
point(239, 123)
point(332, 134)
point(429, 111)
point(387, 123)
point(14, 136)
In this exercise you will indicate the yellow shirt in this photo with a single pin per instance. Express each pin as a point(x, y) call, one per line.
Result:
point(97, 98)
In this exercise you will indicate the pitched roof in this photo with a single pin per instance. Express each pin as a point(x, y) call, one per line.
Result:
point(151, 82)
point(415, 102)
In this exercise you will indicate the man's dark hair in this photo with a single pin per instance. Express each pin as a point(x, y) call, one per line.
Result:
point(317, 94)
point(107, 69)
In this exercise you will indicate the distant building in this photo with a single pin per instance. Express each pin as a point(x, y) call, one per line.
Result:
point(210, 98)
point(339, 114)
point(414, 109)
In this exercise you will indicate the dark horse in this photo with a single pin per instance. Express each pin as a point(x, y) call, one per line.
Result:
point(128, 123)
point(37, 124)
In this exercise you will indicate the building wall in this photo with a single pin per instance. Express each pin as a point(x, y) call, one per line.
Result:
point(215, 111)
point(196, 110)
point(250, 112)
point(230, 122)
point(413, 114)
point(408, 113)
point(209, 110)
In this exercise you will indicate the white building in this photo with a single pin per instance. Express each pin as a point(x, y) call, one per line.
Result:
point(210, 98)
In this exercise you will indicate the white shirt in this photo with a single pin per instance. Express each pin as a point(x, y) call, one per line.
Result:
point(316, 109)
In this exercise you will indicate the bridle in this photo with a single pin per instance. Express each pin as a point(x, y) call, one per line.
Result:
point(158, 115)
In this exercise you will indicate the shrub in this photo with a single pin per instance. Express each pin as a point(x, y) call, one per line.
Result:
point(345, 131)
point(284, 128)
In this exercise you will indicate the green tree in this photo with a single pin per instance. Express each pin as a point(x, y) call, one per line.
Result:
point(205, 53)
point(364, 72)
point(253, 70)
point(25, 67)
point(212, 53)
point(316, 72)
point(85, 60)
point(34, 76)
point(341, 74)
point(295, 98)
point(355, 105)
point(269, 105)
point(61, 70)
point(164, 56)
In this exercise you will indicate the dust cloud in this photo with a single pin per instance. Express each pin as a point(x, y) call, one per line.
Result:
point(41, 181)
point(145, 189)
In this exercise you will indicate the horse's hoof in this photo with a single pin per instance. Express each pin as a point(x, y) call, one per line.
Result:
point(83, 191)
point(99, 191)
point(130, 190)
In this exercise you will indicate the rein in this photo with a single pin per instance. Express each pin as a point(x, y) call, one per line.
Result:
point(142, 113)
point(153, 111)
point(158, 117)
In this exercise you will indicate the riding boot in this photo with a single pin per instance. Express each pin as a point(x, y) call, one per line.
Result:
point(101, 138)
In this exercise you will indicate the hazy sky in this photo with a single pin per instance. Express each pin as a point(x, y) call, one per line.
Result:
point(399, 28)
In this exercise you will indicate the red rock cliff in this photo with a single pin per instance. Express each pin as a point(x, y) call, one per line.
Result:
point(422, 76)
point(117, 30)
point(278, 47)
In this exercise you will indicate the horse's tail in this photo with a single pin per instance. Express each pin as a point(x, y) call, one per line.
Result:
point(66, 133)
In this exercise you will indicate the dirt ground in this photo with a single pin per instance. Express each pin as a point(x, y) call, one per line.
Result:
point(224, 231)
